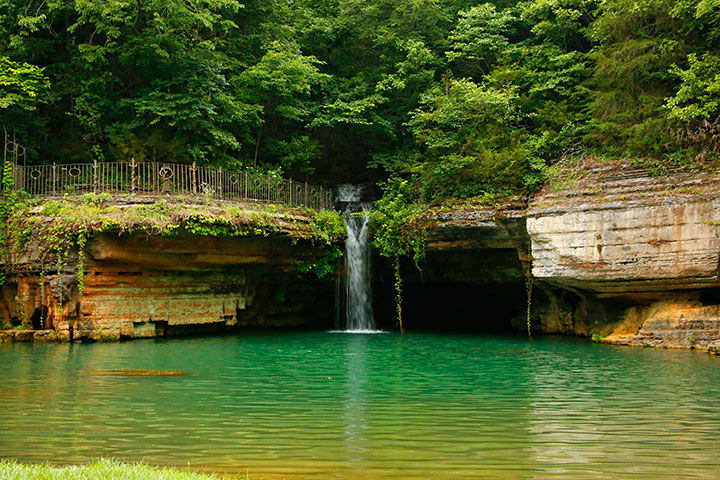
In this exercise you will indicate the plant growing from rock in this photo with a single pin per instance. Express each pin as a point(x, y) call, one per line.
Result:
point(398, 230)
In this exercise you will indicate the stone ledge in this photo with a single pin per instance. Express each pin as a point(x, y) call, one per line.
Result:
point(44, 336)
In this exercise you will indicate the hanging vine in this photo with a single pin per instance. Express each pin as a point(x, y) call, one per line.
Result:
point(81, 240)
point(398, 230)
point(398, 294)
point(7, 208)
point(529, 280)
point(41, 284)
point(60, 265)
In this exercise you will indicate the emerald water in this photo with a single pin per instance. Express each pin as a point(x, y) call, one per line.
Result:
point(321, 405)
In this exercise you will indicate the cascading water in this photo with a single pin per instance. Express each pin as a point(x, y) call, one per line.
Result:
point(358, 314)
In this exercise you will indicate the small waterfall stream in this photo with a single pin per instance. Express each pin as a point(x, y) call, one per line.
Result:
point(358, 314)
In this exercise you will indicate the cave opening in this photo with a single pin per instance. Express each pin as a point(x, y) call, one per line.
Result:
point(39, 318)
point(455, 307)
point(474, 292)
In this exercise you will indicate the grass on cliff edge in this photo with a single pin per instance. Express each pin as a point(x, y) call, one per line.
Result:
point(104, 469)
point(97, 213)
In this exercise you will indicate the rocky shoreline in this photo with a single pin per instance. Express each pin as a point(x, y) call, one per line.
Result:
point(617, 255)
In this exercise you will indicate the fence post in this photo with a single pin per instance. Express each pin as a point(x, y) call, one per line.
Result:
point(132, 175)
point(219, 182)
point(193, 179)
point(306, 192)
point(245, 193)
point(54, 178)
point(290, 189)
point(20, 178)
point(95, 178)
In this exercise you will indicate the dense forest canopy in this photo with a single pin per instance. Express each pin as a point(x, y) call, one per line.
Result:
point(437, 98)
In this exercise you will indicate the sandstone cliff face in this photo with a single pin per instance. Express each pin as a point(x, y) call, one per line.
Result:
point(638, 254)
point(636, 235)
point(148, 286)
point(616, 253)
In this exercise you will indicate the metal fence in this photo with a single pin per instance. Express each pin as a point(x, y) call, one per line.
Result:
point(167, 179)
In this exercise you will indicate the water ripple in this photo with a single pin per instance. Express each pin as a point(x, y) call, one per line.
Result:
point(322, 405)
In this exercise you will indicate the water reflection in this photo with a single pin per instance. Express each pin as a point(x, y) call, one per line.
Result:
point(321, 405)
point(625, 414)
point(355, 401)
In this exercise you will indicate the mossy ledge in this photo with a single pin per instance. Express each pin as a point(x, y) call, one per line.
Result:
point(99, 267)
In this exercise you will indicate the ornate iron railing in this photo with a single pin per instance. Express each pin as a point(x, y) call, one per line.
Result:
point(167, 179)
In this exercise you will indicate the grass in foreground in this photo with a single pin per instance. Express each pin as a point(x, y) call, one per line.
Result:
point(104, 469)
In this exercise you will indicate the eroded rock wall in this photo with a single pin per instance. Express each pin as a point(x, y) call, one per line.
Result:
point(473, 273)
point(617, 254)
point(638, 252)
point(147, 286)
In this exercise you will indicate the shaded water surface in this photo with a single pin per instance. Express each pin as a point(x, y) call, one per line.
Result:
point(322, 405)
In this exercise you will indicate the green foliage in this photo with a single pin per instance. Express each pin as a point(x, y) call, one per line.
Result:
point(22, 87)
point(104, 468)
point(325, 265)
point(460, 100)
point(481, 36)
point(81, 241)
point(398, 294)
point(397, 229)
point(471, 145)
point(450, 114)
point(529, 282)
point(698, 97)
point(10, 196)
point(328, 227)
point(8, 206)
point(298, 154)
point(97, 199)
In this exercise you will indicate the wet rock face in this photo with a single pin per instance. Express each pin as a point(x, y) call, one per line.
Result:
point(148, 286)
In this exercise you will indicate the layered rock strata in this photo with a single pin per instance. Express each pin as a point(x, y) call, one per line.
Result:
point(616, 253)
point(629, 257)
point(142, 285)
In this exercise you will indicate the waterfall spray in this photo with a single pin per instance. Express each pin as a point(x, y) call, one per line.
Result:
point(358, 313)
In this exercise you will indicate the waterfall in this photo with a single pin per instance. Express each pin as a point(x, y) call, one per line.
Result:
point(358, 314)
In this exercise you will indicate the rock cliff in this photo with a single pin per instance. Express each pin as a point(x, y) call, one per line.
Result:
point(636, 253)
point(141, 284)
point(616, 253)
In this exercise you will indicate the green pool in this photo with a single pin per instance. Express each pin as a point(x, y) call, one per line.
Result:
point(322, 405)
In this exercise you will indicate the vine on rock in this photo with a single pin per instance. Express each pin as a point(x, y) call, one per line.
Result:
point(7, 207)
point(398, 294)
point(81, 241)
point(529, 281)
point(41, 284)
point(398, 230)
